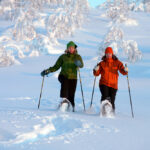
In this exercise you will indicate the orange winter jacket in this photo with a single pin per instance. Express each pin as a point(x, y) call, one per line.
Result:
point(109, 72)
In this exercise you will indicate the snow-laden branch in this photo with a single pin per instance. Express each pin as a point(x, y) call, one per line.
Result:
point(118, 12)
point(55, 18)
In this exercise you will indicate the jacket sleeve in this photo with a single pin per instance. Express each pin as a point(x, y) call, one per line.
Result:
point(80, 59)
point(121, 68)
point(98, 72)
point(57, 65)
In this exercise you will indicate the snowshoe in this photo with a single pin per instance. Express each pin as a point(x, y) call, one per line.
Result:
point(64, 105)
point(106, 109)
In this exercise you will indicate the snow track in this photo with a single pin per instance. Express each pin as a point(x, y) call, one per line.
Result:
point(30, 126)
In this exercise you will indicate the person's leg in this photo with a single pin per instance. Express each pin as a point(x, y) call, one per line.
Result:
point(72, 90)
point(104, 96)
point(64, 86)
point(104, 92)
point(113, 96)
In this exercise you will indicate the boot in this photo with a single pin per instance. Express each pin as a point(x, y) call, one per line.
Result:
point(64, 105)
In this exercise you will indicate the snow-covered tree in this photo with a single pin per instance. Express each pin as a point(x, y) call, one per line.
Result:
point(61, 17)
point(118, 12)
point(6, 58)
point(56, 19)
point(10, 52)
point(147, 6)
point(66, 19)
point(140, 5)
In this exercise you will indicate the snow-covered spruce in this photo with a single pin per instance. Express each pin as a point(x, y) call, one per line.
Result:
point(118, 12)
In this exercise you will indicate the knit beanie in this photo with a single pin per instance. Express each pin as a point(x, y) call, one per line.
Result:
point(71, 43)
point(109, 50)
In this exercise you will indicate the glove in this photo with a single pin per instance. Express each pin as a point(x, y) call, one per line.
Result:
point(78, 63)
point(96, 68)
point(44, 72)
point(126, 69)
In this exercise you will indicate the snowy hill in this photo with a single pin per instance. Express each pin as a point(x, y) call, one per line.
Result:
point(23, 126)
point(137, 6)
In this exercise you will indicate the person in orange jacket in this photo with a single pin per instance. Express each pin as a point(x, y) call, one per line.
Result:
point(108, 68)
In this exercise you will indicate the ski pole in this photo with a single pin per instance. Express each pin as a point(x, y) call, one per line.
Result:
point(41, 92)
point(93, 92)
point(81, 90)
point(129, 94)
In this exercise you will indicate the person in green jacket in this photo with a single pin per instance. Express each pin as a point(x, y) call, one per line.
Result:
point(69, 62)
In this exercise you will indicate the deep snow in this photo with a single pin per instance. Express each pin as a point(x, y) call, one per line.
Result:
point(23, 126)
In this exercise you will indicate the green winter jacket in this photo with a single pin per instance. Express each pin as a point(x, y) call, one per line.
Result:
point(67, 64)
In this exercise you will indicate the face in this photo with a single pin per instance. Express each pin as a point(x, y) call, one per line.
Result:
point(71, 49)
point(108, 55)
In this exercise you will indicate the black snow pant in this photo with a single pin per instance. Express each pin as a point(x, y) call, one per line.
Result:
point(68, 88)
point(108, 93)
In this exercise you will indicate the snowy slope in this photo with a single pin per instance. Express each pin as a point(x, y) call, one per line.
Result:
point(23, 126)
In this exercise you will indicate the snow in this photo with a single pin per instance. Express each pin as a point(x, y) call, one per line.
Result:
point(37, 26)
point(23, 126)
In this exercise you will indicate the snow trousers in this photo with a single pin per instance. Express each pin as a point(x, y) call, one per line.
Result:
point(68, 88)
point(108, 93)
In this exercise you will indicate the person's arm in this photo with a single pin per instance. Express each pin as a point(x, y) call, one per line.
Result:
point(97, 70)
point(54, 68)
point(57, 65)
point(79, 62)
point(121, 68)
